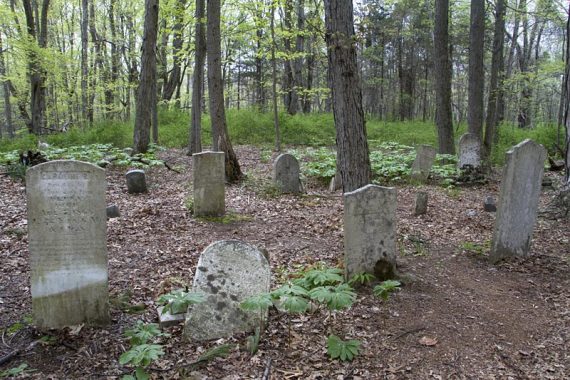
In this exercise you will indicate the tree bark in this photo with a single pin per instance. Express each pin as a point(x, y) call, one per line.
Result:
point(84, 59)
point(195, 143)
point(274, 80)
point(8, 126)
point(443, 118)
point(567, 108)
point(146, 93)
point(352, 147)
point(221, 140)
point(177, 44)
point(476, 68)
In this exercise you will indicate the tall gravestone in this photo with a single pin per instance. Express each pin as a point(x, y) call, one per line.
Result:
point(228, 272)
point(469, 151)
point(67, 243)
point(369, 231)
point(425, 156)
point(209, 183)
point(286, 173)
point(518, 201)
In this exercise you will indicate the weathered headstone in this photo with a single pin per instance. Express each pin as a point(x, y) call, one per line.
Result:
point(421, 203)
point(286, 173)
point(113, 211)
point(489, 205)
point(136, 181)
point(469, 151)
point(336, 183)
point(228, 272)
point(518, 201)
point(369, 231)
point(425, 156)
point(209, 183)
point(67, 243)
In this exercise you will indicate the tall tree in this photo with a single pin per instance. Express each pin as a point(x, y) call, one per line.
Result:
point(146, 93)
point(476, 68)
point(443, 78)
point(567, 108)
point(9, 128)
point(220, 137)
point(195, 143)
point(84, 59)
point(174, 79)
point(274, 80)
point(352, 147)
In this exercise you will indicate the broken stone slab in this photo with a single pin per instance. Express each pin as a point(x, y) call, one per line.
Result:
point(209, 178)
point(168, 320)
point(113, 211)
point(489, 205)
point(425, 157)
point(336, 183)
point(421, 203)
point(136, 181)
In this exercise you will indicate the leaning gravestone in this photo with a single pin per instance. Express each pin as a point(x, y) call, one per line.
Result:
point(425, 156)
point(67, 243)
point(286, 173)
point(518, 201)
point(369, 231)
point(469, 151)
point(209, 183)
point(228, 272)
point(136, 181)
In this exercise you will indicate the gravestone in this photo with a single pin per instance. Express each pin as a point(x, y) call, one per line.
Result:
point(421, 203)
point(286, 173)
point(518, 201)
point(112, 211)
point(425, 156)
point(136, 181)
point(228, 272)
point(67, 243)
point(469, 151)
point(369, 231)
point(489, 204)
point(209, 183)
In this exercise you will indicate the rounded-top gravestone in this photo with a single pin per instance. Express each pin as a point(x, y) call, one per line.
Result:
point(469, 151)
point(136, 181)
point(286, 173)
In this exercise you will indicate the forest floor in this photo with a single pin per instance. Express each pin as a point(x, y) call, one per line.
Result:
point(459, 318)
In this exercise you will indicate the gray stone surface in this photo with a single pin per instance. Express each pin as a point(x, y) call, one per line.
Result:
point(336, 183)
point(518, 201)
point(67, 243)
point(489, 205)
point(113, 211)
point(286, 173)
point(168, 320)
point(136, 181)
point(425, 157)
point(228, 272)
point(421, 204)
point(469, 151)
point(209, 183)
point(369, 231)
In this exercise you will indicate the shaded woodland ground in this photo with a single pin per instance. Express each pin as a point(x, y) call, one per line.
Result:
point(510, 321)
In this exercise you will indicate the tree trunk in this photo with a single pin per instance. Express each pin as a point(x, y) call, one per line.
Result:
point(84, 58)
point(8, 127)
point(195, 143)
point(352, 146)
point(146, 93)
point(567, 108)
point(496, 80)
point(290, 95)
point(442, 68)
point(476, 68)
point(221, 140)
point(299, 50)
point(274, 80)
point(177, 45)
point(111, 106)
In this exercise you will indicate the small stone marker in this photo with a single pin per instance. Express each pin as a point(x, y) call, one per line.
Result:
point(67, 243)
point(286, 173)
point(421, 204)
point(136, 181)
point(489, 205)
point(167, 319)
point(336, 183)
point(228, 272)
point(369, 231)
point(209, 183)
point(469, 151)
point(518, 201)
point(425, 157)
point(113, 212)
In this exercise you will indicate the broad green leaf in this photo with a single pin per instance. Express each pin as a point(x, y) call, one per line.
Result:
point(343, 350)
point(258, 302)
point(141, 355)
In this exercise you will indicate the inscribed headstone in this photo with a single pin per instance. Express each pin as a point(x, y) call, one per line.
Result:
point(421, 203)
point(67, 243)
point(209, 183)
point(136, 181)
point(228, 272)
point(286, 173)
point(518, 201)
point(425, 156)
point(369, 231)
point(469, 151)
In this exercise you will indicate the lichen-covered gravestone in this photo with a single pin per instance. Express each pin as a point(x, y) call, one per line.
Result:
point(425, 156)
point(286, 173)
point(518, 201)
point(469, 151)
point(369, 231)
point(67, 243)
point(228, 272)
point(136, 181)
point(209, 183)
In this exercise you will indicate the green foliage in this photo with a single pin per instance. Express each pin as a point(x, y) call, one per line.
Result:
point(215, 352)
point(344, 350)
point(476, 248)
point(19, 370)
point(361, 279)
point(17, 171)
point(141, 355)
point(259, 302)
point(384, 289)
point(142, 333)
point(510, 135)
point(177, 301)
point(252, 342)
point(335, 297)
point(320, 277)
